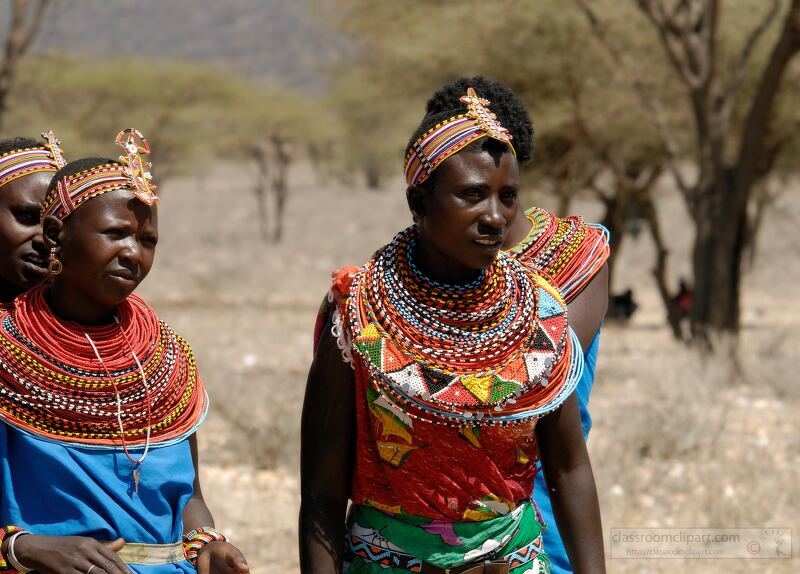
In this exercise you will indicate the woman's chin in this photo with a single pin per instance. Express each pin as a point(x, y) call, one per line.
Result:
point(117, 292)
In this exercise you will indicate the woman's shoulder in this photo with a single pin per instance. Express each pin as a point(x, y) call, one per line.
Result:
point(568, 250)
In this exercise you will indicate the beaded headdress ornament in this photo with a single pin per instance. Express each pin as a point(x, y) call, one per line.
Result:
point(20, 162)
point(131, 173)
point(453, 135)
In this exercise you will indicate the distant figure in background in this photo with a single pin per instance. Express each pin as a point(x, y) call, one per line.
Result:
point(445, 368)
point(26, 168)
point(683, 299)
point(99, 399)
point(622, 306)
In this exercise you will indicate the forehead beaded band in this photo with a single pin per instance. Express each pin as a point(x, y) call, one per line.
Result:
point(131, 173)
point(22, 162)
point(451, 136)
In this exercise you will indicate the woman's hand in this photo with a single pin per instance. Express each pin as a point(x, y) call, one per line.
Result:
point(220, 558)
point(70, 554)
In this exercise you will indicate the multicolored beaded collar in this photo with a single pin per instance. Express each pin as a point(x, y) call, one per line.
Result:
point(22, 162)
point(496, 351)
point(567, 250)
point(131, 173)
point(453, 135)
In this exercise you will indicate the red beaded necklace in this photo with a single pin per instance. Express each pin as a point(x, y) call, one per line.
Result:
point(130, 383)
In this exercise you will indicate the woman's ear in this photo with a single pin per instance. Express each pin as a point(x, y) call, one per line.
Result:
point(52, 232)
point(415, 196)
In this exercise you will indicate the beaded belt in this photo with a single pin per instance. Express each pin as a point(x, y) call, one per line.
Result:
point(133, 553)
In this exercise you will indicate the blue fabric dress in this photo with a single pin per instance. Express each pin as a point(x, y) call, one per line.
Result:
point(62, 490)
point(552, 538)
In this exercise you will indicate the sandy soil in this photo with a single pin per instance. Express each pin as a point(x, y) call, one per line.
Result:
point(679, 440)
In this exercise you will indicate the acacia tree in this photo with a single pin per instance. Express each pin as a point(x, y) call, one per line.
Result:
point(734, 144)
point(23, 27)
point(180, 107)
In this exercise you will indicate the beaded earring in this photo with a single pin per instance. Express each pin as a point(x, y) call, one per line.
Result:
point(54, 267)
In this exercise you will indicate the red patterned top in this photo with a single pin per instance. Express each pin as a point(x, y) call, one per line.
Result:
point(468, 472)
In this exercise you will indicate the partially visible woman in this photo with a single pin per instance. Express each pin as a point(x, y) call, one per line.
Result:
point(445, 369)
point(99, 399)
point(572, 253)
point(26, 168)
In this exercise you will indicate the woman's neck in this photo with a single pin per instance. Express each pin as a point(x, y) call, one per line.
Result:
point(8, 292)
point(437, 266)
point(71, 305)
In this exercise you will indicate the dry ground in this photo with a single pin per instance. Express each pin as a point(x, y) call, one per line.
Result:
point(677, 441)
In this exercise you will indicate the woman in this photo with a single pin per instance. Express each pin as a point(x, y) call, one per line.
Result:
point(26, 168)
point(99, 399)
point(445, 368)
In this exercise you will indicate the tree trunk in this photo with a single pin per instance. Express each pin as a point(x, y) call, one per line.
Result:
point(280, 183)
point(614, 221)
point(21, 31)
point(259, 154)
point(717, 258)
point(372, 171)
point(648, 211)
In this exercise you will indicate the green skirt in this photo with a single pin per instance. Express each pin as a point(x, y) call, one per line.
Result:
point(381, 543)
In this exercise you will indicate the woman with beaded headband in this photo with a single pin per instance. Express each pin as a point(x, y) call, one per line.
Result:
point(99, 399)
point(446, 368)
point(26, 168)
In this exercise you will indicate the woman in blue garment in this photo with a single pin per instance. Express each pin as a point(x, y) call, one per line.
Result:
point(573, 253)
point(99, 399)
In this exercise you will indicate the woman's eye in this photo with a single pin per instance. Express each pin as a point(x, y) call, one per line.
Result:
point(151, 241)
point(509, 195)
point(27, 217)
point(471, 193)
point(114, 232)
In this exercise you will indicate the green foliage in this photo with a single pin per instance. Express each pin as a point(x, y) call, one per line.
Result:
point(582, 104)
point(189, 113)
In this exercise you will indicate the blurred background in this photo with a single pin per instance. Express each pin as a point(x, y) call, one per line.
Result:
point(278, 130)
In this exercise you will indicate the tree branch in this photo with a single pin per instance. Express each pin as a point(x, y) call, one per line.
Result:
point(753, 138)
point(740, 68)
point(33, 27)
point(18, 41)
point(651, 104)
point(676, 42)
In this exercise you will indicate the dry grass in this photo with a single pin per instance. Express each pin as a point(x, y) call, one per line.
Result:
point(678, 440)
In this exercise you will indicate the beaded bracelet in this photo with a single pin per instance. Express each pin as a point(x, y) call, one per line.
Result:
point(5, 532)
point(195, 540)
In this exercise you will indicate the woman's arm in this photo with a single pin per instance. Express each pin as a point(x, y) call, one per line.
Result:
point(569, 477)
point(326, 458)
point(214, 557)
point(587, 311)
point(565, 460)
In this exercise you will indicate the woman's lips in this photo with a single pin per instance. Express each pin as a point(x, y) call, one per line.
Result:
point(487, 242)
point(124, 276)
point(34, 264)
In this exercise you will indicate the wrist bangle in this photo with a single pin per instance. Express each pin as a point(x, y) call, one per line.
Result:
point(195, 540)
point(12, 558)
point(9, 532)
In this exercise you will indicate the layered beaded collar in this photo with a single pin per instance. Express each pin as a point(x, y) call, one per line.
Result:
point(54, 386)
point(496, 351)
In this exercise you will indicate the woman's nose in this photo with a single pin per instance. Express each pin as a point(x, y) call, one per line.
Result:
point(493, 216)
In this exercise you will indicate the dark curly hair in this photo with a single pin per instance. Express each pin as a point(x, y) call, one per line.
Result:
point(13, 144)
point(78, 166)
point(510, 111)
